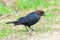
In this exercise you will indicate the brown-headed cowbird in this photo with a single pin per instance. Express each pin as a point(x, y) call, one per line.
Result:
point(29, 20)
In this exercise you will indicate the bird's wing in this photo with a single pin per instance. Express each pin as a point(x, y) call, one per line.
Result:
point(21, 20)
point(31, 20)
point(33, 17)
point(27, 20)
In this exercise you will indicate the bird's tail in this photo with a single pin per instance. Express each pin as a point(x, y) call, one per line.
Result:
point(14, 22)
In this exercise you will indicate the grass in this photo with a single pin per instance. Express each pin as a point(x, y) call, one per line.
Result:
point(26, 5)
point(3, 10)
point(5, 32)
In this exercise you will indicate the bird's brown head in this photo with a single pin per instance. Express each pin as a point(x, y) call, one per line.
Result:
point(40, 12)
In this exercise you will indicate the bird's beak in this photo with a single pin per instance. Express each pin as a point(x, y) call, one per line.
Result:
point(44, 15)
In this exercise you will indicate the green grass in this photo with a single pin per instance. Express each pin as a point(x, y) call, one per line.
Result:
point(3, 10)
point(5, 32)
point(27, 5)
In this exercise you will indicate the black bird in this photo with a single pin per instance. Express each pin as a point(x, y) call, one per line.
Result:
point(29, 20)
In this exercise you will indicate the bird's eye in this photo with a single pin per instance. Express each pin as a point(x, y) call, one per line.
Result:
point(42, 12)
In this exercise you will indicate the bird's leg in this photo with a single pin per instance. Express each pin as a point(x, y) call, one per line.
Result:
point(26, 28)
point(31, 28)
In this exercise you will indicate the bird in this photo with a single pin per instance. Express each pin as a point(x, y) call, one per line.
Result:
point(29, 20)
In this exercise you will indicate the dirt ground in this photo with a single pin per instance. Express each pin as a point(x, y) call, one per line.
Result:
point(42, 32)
